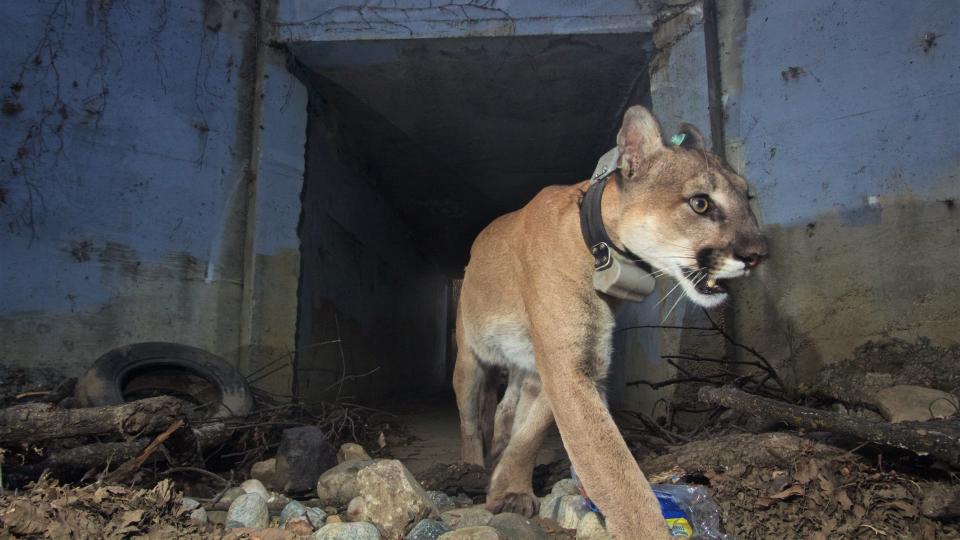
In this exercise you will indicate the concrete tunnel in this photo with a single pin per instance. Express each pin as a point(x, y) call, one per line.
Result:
point(413, 146)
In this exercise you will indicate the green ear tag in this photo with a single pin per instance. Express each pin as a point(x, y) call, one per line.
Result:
point(678, 139)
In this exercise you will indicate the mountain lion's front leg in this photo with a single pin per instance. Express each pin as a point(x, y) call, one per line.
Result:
point(566, 349)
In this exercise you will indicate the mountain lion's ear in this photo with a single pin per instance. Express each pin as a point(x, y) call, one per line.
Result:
point(638, 138)
point(692, 139)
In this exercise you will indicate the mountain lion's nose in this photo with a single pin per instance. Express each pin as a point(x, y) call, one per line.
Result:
point(751, 260)
point(752, 252)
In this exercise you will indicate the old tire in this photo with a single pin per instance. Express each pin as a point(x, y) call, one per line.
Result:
point(106, 380)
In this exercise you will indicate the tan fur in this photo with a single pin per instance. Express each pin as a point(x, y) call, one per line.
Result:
point(528, 306)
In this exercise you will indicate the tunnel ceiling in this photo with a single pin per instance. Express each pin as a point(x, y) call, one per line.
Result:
point(458, 131)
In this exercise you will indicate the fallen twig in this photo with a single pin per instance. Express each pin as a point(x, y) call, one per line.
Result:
point(758, 380)
point(197, 470)
point(657, 429)
point(37, 393)
point(131, 466)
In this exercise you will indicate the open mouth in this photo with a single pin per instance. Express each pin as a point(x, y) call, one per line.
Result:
point(711, 285)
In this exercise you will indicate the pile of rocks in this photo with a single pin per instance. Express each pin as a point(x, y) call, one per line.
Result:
point(372, 499)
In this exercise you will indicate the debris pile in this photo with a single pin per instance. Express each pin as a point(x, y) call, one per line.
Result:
point(878, 460)
point(780, 485)
point(823, 498)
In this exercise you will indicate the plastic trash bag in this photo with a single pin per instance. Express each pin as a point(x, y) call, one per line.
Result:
point(687, 509)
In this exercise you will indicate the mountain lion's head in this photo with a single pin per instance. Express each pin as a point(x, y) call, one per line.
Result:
point(683, 210)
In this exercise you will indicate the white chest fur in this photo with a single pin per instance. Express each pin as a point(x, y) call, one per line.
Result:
point(505, 341)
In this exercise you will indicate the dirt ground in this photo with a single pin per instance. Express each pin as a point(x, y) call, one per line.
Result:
point(766, 485)
point(434, 437)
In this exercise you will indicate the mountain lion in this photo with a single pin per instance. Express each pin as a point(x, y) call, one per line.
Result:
point(529, 305)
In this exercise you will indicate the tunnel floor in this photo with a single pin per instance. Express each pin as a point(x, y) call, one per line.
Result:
point(434, 437)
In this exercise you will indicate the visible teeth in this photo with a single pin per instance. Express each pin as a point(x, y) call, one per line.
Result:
point(711, 282)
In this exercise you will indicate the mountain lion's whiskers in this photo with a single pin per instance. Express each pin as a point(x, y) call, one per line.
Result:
point(683, 294)
point(679, 281)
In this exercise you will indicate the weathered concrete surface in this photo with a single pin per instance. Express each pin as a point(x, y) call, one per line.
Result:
point(328, 20)
point(843, 116)
point(131, 183)
point(268, 317)
point(830, 286)
point(122, 183)
point(678, 79)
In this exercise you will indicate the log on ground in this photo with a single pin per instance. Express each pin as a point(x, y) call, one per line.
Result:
point(151, 415)
point(72, 462)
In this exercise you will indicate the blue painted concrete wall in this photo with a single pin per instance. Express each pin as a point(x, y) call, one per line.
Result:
point(847, 100)
point(122, 175)
point(844, 116)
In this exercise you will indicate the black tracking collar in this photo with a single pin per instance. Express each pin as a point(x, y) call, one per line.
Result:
point(595, 234)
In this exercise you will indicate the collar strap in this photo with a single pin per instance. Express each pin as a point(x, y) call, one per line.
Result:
point(591, 219)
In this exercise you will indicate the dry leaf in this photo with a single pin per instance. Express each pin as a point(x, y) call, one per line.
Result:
point(130, 516)
point(843, 500)
point(859, 511)
point(825, 483)
point(24, 518)
point(905, 508)
point(792, 491)
point(806, 472)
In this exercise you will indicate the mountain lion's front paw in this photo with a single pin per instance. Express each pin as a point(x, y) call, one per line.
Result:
point(525, 504)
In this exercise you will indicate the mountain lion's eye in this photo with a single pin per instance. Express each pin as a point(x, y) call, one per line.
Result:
point(700, 203)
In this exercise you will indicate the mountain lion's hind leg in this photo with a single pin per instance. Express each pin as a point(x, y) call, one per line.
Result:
point(506, 416)
point(471, 387)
